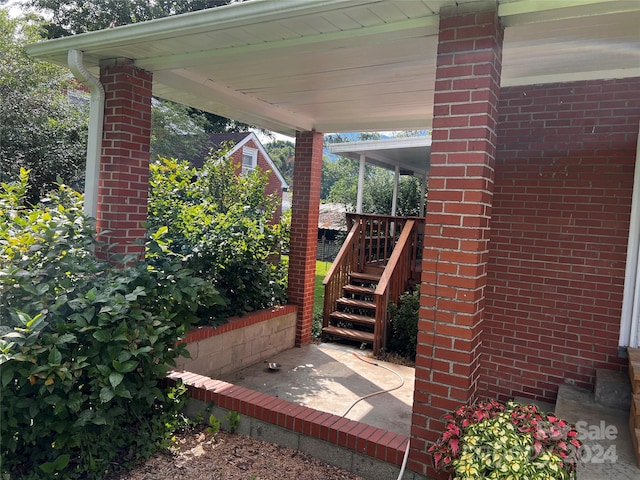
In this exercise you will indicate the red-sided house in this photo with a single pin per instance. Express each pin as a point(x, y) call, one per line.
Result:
point(248, 153)
point(529, 275)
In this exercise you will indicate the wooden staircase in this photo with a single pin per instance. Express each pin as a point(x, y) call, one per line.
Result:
point(634, 417)
point(355, 316)
point(377, 262)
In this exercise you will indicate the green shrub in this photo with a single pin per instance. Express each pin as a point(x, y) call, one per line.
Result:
point(404, 325)
point(221, 222)
point(84, 346)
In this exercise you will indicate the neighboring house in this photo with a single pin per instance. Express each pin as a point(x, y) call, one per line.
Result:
point(247, 153)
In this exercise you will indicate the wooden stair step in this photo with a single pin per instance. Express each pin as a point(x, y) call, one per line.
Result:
point(353, 303)
point(634, 369)
point(358, 290)
point(634, 417)
point(366, 277)
point(635, 440)
point(353, 318)
point(349, 334)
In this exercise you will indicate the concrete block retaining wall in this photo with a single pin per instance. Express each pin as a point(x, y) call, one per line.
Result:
point(242, 341)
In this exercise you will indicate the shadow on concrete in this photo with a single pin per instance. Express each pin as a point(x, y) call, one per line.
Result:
point(332, 378)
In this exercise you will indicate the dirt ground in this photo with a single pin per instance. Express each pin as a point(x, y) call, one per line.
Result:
point(200, 456)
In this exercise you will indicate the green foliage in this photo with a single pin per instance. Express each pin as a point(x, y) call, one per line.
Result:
point(404, 325)
point(282, 153)
point(340, 181)
point(84, 347)
point(42, 129)
point(70, 17)
point(510, 442)
point(176, 131)
point(233, 420)
point(214, 425)
point(221, 223)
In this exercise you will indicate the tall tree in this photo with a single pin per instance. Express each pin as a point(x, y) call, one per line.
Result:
point(42, 127)
point(176, 132)
point(70, 17)
point(282, 153)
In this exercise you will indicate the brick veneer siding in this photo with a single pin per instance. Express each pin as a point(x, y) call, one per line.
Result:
point(304, 229)
point(559, 229)
point(124, 164)
point(457, 224)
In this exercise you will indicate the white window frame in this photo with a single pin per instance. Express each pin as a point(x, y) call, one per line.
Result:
point(250, 153)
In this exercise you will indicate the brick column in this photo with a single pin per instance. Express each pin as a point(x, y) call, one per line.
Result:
point(304, 229)
point(457, 223)
point(124, 165)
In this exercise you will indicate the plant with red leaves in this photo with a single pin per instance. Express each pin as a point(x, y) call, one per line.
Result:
point(547, 433)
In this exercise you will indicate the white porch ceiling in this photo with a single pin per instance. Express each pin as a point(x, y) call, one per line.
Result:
point(351, 65)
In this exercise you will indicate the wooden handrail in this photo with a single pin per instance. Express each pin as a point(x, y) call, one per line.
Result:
point(393, 283)
point(338, 275)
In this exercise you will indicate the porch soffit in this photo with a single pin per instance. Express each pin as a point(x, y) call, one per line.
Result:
point(351, 65)
point(411, 154)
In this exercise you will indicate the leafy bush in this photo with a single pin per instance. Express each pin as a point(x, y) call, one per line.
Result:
point(404, 325)
point(512, 441)
point(84, 346)
point(221, 222)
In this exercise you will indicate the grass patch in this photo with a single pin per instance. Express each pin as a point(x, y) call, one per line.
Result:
point(318, 294)
point(318, 299)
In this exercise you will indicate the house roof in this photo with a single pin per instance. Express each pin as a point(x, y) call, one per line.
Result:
point(239, 140)
point(218, 139)
point(351, 65)
point(332, 216)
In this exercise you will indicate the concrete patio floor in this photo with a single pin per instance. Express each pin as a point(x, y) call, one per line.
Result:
point(332, 377)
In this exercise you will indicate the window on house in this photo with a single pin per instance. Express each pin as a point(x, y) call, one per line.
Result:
point(249, 159)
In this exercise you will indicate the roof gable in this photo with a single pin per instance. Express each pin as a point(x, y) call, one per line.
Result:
point(239, 140)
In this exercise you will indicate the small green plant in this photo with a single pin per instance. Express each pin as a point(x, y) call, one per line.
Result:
point(513, 441)
point(316, 326)
point(233, 420)
point(214, 425)
point(404, 325)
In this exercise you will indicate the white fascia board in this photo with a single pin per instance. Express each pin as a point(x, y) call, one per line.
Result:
point(228, 16)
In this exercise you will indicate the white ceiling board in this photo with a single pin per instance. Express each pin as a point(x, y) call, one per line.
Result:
point(345, 65)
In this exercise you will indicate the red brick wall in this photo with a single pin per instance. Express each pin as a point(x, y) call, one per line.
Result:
point(124, 165)
point(559, 228)
point(273, 186)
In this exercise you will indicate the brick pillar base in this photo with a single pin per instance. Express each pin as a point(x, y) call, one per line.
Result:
point(124, 165)
point(304, 229)
point(457, 224)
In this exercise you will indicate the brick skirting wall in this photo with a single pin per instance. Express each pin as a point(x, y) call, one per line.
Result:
point(363, 439)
